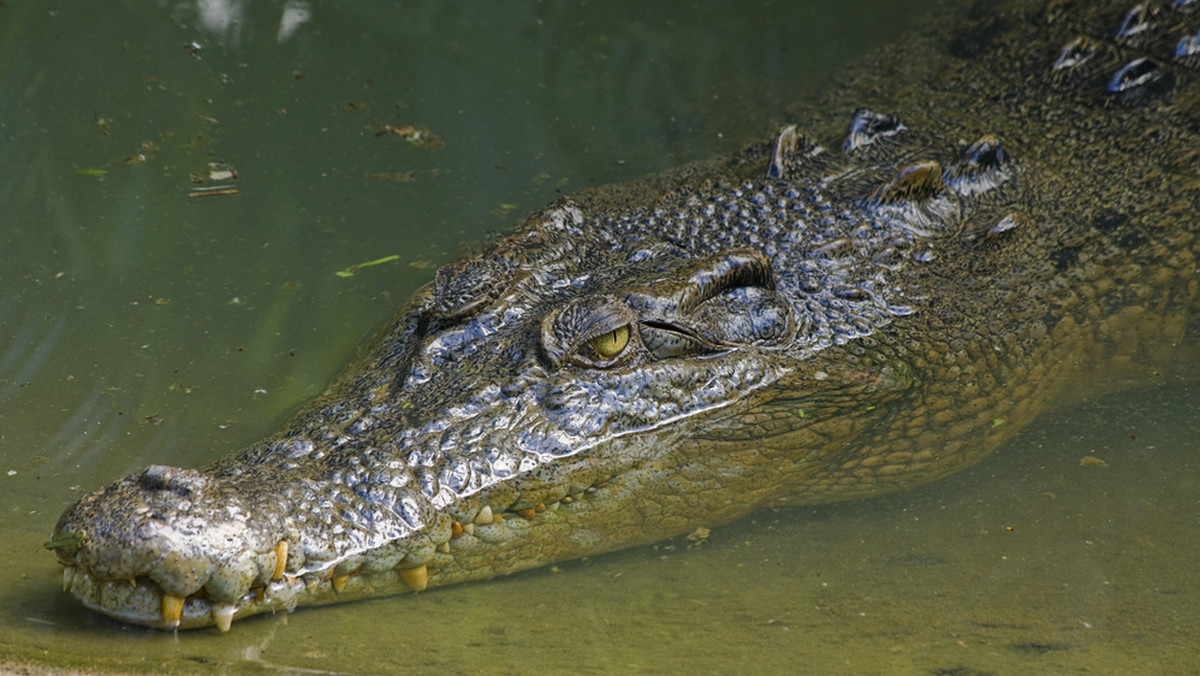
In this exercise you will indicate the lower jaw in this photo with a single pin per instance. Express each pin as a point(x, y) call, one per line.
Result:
point(520, 541)
point(472, 556)
point(142, 601)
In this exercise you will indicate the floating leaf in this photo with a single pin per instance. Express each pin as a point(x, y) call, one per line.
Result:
point(349, 272)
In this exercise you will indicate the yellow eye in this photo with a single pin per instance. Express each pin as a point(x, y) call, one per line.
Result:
point(610, 344)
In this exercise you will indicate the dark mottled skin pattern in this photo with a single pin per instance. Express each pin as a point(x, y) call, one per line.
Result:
point(856, 308)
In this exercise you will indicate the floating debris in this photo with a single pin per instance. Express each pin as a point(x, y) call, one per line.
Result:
point(349, 272)
point(145, 153)
point(198, 141)
point(503, 210)
point(220, 173)
point(397, 176)
point(213, 192)
point(214, 171)
point(418, 136)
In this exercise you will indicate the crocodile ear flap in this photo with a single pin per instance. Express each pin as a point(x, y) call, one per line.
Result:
point(734, 302)
point(727, 270)
point(713, 304)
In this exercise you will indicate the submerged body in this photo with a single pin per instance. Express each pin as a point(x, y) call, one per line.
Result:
point(829, 316)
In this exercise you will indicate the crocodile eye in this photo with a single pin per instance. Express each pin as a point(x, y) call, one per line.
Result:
point(609, 345)
point(593, 332)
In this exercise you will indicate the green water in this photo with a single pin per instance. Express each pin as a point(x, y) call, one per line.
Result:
point(139, 324)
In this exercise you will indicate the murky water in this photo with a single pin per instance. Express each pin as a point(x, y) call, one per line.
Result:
point(140, 324)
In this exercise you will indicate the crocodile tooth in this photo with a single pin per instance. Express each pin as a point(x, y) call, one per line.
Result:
point(444, 547)
point(172, 609)
point(339, 582)
point(456, 529)
point(223, 615)
point(469, 528)
point(485, 515)
point(281, 553)
point(527, 513)
point(416, 578)
point(68, 576)
point(553, 506)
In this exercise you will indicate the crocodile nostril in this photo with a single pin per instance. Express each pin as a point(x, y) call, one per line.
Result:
point(164, 478)
point(157, 478)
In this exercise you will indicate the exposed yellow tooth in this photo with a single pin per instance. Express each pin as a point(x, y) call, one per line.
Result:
point(416, 578)
point(172, 607)
point(68, 575)
point(281, 552)
point(485, 515)
point(223, 615)
point(456, 529)
point(527, 513)
point(444, 547)
point(339, 582)
point(469, 528)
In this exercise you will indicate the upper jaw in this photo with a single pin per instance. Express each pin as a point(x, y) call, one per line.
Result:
point(160, 536)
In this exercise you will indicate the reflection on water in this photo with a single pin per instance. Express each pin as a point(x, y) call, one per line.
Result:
point(141, 325)
point(224, 20)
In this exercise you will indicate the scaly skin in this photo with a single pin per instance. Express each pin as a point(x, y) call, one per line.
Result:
point(797, 324)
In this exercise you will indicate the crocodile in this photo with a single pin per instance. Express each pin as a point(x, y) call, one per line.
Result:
point(993, 217)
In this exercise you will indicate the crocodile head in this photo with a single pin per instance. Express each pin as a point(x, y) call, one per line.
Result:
point(620, 370)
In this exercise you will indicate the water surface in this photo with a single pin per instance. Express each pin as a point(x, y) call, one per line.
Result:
point(141, 324)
